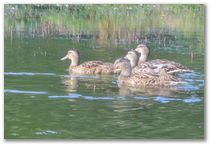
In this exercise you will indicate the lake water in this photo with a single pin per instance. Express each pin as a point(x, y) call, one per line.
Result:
point(41, 100)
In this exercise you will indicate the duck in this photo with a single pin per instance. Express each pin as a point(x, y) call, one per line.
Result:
point(133, 56)
point(148, 79)
point(87, 68)
point(170, 67)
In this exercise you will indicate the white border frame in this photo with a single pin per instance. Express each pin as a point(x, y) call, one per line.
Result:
point(150, 142)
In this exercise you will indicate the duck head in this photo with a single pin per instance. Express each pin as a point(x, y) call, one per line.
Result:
point(133, 57)
point(123, 66)
point(72, 55)
point(144, 51)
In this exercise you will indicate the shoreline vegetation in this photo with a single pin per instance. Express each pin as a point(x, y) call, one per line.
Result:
point(105, 22)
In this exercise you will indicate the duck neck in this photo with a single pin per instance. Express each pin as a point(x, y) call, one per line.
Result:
point(133, 63)
point(143, 58)
point(126, 71)
point(144, 52)
point(75, 61)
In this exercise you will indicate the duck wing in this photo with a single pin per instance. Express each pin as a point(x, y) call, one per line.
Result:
point(94, 67)
point(167, 63)
point(91, 64)
point(144, 71)
point(170, 67)
point(153, 81)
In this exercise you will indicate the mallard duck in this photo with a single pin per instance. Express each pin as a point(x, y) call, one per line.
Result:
point(146, 79)
point(133, 56)
point(170, 67)
point(89, 67)
point(144, 67)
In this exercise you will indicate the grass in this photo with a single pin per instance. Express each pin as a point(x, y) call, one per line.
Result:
point(103, 22)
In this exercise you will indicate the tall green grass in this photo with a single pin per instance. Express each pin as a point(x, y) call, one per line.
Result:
point(103, 22)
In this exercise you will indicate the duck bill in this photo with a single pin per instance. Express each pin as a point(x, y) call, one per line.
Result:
point(64, 58)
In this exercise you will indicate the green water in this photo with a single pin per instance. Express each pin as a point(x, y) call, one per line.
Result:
point(42, 101)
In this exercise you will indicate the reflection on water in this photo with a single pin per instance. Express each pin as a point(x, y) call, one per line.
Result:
point(192, 99)
point(46, 132)
point(70, 96)
point(43, 101)
point(24, 92)
point(128, 91)
point(194, 81)
point(27, 73)
point(71, 84)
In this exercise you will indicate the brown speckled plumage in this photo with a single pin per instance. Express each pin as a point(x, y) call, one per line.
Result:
point(170, 67)
point(147, 79)
point(89, 67)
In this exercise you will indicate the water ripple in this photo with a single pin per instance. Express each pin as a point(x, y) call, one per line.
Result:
point(97, 98)
point(165, 100)
point(75, 96)
point(28, 74)
point(80, 76)
point(24, 92)
point(46, 132)
point(192, 99)
point(160, 99)
point(188, 87)
point(70, 96)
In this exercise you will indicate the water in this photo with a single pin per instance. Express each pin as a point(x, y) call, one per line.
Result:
point(42, 100)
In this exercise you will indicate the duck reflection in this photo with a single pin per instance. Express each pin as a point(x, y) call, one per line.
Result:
point(90, 85)
point(103, 86)
point(148, 92)
point(70, 83)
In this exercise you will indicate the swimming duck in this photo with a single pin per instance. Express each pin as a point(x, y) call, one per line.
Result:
point(170, 67)
point(89, 67)
point(147, 79)
point(133, 56)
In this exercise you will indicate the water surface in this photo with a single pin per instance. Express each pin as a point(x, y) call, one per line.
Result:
point(42, 100)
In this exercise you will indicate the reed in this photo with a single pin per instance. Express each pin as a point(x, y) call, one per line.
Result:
point(103, 22)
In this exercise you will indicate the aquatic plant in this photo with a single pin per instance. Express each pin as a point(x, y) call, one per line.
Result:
point(103, 22)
